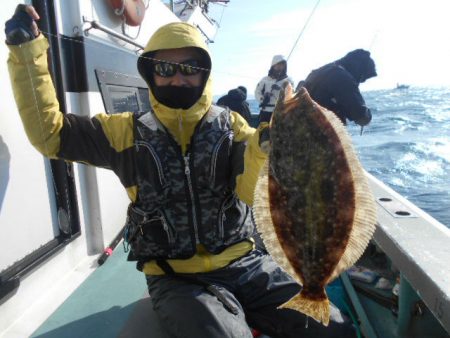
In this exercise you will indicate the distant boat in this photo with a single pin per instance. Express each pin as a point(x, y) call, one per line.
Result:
point(402, 86)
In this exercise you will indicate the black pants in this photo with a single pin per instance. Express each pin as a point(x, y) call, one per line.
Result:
point(255, 285)
point(265, 116)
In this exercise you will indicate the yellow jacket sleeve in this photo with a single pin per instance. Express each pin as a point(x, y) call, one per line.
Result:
point(35, 94)
point(254, 157)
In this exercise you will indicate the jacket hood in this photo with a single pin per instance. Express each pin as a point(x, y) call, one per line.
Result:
point(277, 59)
point(359, 64)
point(237, 94)
point(278, 75)
point(180, 122)
point(244, 90)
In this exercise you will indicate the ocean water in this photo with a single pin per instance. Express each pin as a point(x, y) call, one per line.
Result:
point(407, 145)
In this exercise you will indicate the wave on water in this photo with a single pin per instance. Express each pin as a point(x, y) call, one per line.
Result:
point(407, 145)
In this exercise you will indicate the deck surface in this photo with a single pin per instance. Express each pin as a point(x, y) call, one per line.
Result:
point(112, 302)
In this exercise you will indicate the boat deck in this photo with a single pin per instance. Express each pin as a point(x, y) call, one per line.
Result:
point(112, 302)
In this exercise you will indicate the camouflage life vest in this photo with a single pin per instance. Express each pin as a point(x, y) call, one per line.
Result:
point(186, 200)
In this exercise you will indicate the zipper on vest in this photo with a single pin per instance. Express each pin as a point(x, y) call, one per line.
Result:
point(187, 172)
point(156, 158)
point(215, 155)
point(225, 206)
point(167, 229)
point(161, 217)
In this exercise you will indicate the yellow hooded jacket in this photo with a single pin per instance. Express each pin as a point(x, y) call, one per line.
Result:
point(107, 140)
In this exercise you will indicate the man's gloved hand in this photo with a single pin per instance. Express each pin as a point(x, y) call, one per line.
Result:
point(365, 118)
point(22, 26)
point(264, 137)
point(265, 100)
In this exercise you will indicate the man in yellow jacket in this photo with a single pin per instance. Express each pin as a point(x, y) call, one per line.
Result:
point(190, 169)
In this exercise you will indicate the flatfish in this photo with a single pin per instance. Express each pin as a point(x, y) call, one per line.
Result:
point(312, 205)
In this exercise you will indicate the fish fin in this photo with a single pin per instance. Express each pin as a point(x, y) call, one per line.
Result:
point(316, 309)
point(364, 222)
point(264, 224)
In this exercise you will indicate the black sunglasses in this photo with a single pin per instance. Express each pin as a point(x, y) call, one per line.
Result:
point(169, 69)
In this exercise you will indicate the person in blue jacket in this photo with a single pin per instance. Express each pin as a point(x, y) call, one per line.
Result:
point(335, 86)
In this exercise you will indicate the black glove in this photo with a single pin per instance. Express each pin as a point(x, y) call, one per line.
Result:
point(264, 140)
point(365, 118)
point(265, 101)
point(19, 29)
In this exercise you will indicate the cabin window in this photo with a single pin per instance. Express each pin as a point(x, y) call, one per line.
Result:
point(122, 92)
point(122, 99)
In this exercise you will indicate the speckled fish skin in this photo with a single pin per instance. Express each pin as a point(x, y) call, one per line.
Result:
point(321, 209)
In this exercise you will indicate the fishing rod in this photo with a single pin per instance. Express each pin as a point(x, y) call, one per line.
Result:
point(304, 28)
point(108, 251)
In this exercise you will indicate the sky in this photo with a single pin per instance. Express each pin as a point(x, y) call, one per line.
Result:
point(408, 39)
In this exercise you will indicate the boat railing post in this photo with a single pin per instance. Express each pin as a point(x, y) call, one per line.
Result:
point(406, 300)
point(366, 327)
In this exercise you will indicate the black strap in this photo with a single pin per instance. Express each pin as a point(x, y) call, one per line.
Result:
point(213, 289)
point(162, 263)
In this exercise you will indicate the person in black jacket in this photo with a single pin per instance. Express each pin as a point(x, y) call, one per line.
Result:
point(236, 101)
point(335, 86)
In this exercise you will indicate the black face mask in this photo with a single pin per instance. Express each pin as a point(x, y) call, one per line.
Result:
point(177, 97)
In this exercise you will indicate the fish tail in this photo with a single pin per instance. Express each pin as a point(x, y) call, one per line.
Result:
point(319, 309)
